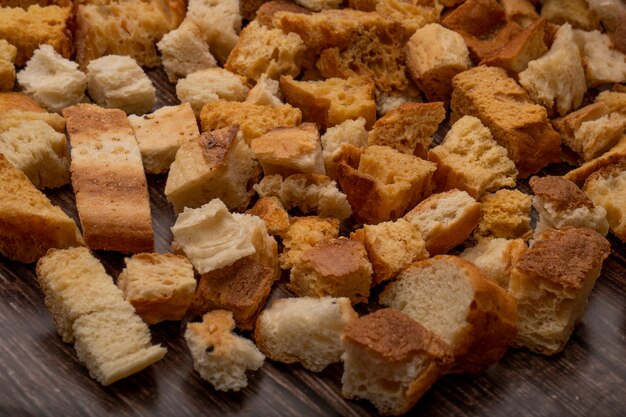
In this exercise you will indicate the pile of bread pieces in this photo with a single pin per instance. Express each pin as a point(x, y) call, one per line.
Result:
point(303, 148)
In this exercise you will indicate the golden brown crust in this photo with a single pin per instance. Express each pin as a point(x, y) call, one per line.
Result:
point(481, 48)
point(363, 194)
point(265, 13)
point(335, 258)
point(616, 154)
point(476, 17)
point(561, 193)
point(12, 101)
point(567, 125)
point(272, 212)
point(215, 144)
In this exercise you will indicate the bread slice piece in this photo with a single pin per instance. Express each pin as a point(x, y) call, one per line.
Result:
point(272, 212)
point(29, 223)
point(341, 141)
point(496, 258)
point(614, 155)
point(220, 356)
point(265, 92)
point(445, 220)
point(391, 360)
point(211, 85)
point(551, 284)
point(605, 188)
point(304, 329)
point(476, 17)
point(452, 298)
point(108, 180)
point(219, 22)
point(16, 108)
point(602, 63)
point(505, 214)
point(304, 233)
point(573, 12)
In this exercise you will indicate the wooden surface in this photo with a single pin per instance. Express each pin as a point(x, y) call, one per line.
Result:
point(40, 375)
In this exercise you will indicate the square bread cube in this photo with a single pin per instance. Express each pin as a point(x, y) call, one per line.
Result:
point(209, 85)
point(265, 92)
point(272, 212)
point(575, 12)
point(304, 233)
point(505, 214)
point(496, 258)
point(340, 141)
point(219, 22)
point(607, 188)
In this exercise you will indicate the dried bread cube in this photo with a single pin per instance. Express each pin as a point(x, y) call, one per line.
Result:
point(607, 188)
point(304, 233)
point(391, 247)
point(217, 164)
point(265, 13)
point(116, 81)
point(220, 356)
point(496, 258)
point(162, 133)
point(602, 63)
point(16, 108)
point(445, 220)
point(469, 159)
point(505, 214)
point(184, 51)
point(551, 283)
point(158, 285)
point(339, 142)
point(26, 29)
point(452, 298)
point(304, 329)
point(434, 56)
point(498, 36)
point(476, 17)
point(272, 212)
point(219, 22)
point(307, 192)
point(561, 203)
point(39, 151)
point(409, 15)
point(614, 155)
point(389, 100)
point(391, 360)
point(332, 101)
point(336, 268)
point(521, 12)
point(319, 5)
point(213, 84)
point(29, 223)
point(266, 92)
point(574, 12)
point(615, 100)
point(8, 53)
point(51, 80)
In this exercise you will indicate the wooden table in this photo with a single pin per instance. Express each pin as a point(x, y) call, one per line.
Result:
point(40, 375)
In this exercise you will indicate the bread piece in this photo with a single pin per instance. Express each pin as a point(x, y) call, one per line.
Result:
point(391, 247)
point(574, 12)
point(116, 81)
point(602, 63)
point(318, 5)
point(304, 329)
point(26, 29)
point(496, 257)
point(387, 101)
point(29, 223)
point(304, 233)
point(184, 51)
point(521, 12)
point(391, 360)
point(605, 188)
point(332, 101)
point(253, 119)
point(409, 15)
point(108, 180)
point(266, 92)
point(445, 220)
point(476, 17)
point(209, 85)
point(7, 75)
point(308, 192)
point(220, 23)
point(272, 212)
point(615, 100)
point(551, 283)
point(219, 355)
point(505, 214)
point(16, 108)
point(265, 13)
point(8, 52)
point(408, 128)
point(614, 155)
point(162, 133)
point(610, 12)
point(506, 110)
point(336, 268)
point(159, 286)
point(340, 141)
point(39, 151)
point(452, 298)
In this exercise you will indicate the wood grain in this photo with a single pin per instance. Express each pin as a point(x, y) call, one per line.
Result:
point(41, 376)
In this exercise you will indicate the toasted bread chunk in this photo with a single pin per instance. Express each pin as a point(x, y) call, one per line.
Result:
point(615, 100)
point(496, 257)
point(551, 283)
point(391, 360)
point(601, 62)
point(219, 355)
point(506, 110)
point(521, 12)
point(108, 180)
point(209, 85)
point(574, 12)
point(220, 23)
point(409, 15)
point(445, 220)
point(476, 17)
point(16, 108)
point(452, 298)
point(272, 212)
point(7, 75)
point(162, 133)
point(8, 52)
point(389, 100)
point(265, 13)
point(614, 155)
point(606, 188)
point(340, 141)
point(304, 233)
point(505, 214)
point(265, 92)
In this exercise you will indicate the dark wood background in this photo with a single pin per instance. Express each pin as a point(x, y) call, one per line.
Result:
point(41, 376)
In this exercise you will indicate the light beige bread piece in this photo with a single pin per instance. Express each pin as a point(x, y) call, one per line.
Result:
point(16, 108)
point(158, 285)
point(615, 100)
point(220, 356)
point(614, 155)
point(385, 184)
point(336, 268)
point(445, 220)
point(8, 53)
point(607, 188)
point(331, 101)
point(339, 142)
point(39, 151)
point(26, 29)
point(521, 12)
point(610, 12)
point(253, 119)
point(434, 56)
point(308, 192)
point(209, 85)
point(452, 298)
point(272, 212)
point(108, 180)
point(602, 63)
point(387, 101)
point(162, 133)
point(304, 233)
point(505, 214)
point(51, 80)
point(118, 82)
point(262, 50)
point(551, 284)
point(305, 330)
point(266, 92)
point(469, 159)
point(391, 360)
point(216, 164)
point(287, 151)
point(408, 128)
point(561, 203)
point(496, 258)
point(391, 247)
point(219, 22)
point(184, 51)
point(29, 223)
point(506, 110)
point(574, 12)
